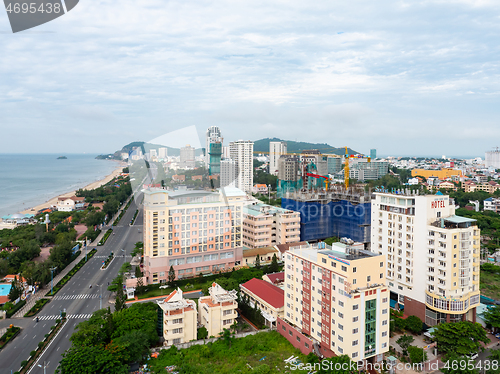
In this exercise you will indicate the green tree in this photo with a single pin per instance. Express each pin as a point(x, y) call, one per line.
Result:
point(414, 324)
point(226, 336)
point(202, 333)
point(139, 289)
point(121, 297)
point(491, 315)
point(15, 290)
point(171, 277)
point(90, 359)
point(274, 267)
point(417, 354)
point(459, 338)
point(257, 262)
point(404, 342)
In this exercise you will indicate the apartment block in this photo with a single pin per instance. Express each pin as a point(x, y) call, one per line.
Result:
point(218, 310)
point(336, 298)
point(241, 152)
point(432, 255)
point(265, 225)
point(179, 319)
point(493, 204)
point(276, 149)
point(187, 158)
point(193, 231)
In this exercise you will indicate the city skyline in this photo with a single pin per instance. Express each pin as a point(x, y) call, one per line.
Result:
point(405, 78)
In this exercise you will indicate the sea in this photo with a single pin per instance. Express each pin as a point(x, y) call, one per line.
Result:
point(27, 180)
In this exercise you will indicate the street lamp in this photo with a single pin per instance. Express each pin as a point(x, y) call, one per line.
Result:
point(52, 279)
point(44, 367)
point(269, 194)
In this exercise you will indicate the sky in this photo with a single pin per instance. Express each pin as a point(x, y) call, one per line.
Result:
point(404, 77)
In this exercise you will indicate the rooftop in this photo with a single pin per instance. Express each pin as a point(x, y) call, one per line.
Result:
point(266, 291)
point(258, 209)
point(338, 250)
point(252, 252)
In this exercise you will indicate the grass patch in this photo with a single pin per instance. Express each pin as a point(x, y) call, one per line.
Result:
point(490, 284)
point(9, 335)
point(72, 272)
point(122, 213)
point(108, 261)
point(105, 237)
point(37, 307)
point(260, 353)
point(15, 308)
point(134, 217)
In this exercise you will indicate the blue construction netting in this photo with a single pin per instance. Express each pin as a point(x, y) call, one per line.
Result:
point(336, 218)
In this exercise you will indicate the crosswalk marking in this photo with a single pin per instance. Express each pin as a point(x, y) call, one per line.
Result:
point(80, 296)
point(57, 316)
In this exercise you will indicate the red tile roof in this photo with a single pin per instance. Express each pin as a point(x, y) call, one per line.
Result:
point(3, 299)
point(285, 247)
point(276, 277)
point(266, 291)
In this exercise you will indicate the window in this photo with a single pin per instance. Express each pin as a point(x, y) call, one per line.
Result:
point(384, 311)
point(384, 300)
point(341, 327)
point(354, 269)
point(368, 278)
point(384, 322)
point(344, 268)
point(355, 307)
point(354, 343)
point(384, 334)
point(341, 339)
point(355, 331)
point(354, 319)
point(381, 264)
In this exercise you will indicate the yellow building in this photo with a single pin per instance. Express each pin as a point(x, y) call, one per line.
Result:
point(441, 174)
point(265, 225)
point(179, 319)
point(218, 310)
point(336, 295)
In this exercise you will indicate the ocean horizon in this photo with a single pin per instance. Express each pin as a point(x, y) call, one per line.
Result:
point(32, 179)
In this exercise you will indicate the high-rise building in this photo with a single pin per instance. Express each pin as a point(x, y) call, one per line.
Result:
point(334, 164)
point(432, 255)
point(228, 173)
point(336, 298)
point(492, 159)
point(373, 154)
point(195, 232)
point(187, 159)
point(241, 152)
point(276, 149)
point(213, 150)
point(162, 153)
point(363, 170)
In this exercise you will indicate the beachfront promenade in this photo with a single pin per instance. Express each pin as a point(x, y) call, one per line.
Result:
point(76, 298)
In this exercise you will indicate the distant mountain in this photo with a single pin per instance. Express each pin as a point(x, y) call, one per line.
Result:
point(262, 145)
point(146, 147)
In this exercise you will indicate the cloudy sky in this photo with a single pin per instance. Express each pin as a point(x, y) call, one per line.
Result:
point(405, 77)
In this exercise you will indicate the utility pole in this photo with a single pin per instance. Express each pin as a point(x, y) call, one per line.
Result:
point(52, 280)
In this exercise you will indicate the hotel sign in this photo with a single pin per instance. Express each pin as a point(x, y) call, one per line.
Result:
point(339, 260)
point(438, 204)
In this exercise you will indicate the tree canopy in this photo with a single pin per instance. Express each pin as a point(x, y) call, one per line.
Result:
point(459, 338)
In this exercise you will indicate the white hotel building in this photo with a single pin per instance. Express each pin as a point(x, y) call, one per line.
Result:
point(432, 255)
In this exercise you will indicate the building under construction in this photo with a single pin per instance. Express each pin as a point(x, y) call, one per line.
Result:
point(336, 212)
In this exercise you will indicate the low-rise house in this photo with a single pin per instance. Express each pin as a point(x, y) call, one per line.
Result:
point(70, 203)
point(268, 298)
point(179, 319)
point(265, 255)
point(178, 178)
point(19, 219)
point(283, 248)
point(218, 310)
point(260, 188)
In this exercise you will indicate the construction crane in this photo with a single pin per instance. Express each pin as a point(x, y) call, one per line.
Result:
point(346, 166)
point(327, 180)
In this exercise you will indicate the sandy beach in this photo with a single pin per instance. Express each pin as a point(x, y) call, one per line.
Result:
point(90, 186)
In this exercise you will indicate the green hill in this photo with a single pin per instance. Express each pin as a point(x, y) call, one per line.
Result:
point(262, 145)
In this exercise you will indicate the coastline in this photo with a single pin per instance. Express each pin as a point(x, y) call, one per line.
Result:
point(91, 186)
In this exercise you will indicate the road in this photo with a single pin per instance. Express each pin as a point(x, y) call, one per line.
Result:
point(76, 298)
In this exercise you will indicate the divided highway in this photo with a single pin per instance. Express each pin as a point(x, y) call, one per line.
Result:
point(76, 298)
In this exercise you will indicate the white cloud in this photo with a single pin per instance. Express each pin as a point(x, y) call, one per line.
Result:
point(368, 73)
